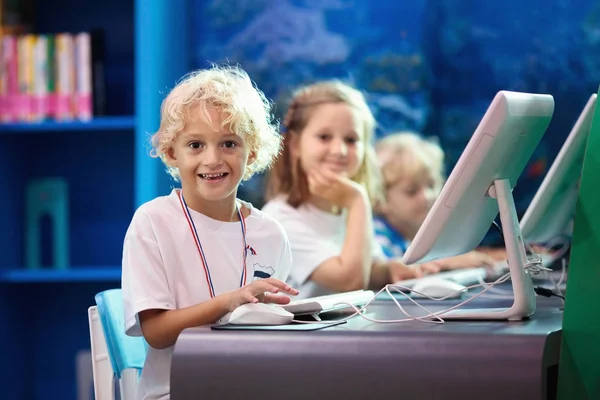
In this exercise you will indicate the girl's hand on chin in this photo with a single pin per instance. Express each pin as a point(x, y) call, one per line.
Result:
point(334, 187)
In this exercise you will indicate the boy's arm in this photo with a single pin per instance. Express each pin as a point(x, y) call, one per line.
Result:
point(162, 327)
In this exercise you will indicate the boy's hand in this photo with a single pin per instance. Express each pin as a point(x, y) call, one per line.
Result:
point(399, 272)
point(336, 188)
point(425, 269)
point(472, 259)
point(262, 290)
point(497, 253)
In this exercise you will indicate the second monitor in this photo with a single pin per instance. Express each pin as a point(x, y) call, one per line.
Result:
point(552, 209)
point(479, 187)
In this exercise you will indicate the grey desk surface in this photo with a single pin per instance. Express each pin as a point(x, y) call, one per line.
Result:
point(360, 359)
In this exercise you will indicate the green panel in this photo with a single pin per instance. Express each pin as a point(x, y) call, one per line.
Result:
point(579, 369)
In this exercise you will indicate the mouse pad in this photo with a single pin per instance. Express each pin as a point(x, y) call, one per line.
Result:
point(289, 327)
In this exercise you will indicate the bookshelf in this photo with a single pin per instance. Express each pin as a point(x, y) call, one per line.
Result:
point(113, 123)
point(109, 274)
point(43, 312)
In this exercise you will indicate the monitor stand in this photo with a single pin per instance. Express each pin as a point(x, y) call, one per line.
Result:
point(524, 304)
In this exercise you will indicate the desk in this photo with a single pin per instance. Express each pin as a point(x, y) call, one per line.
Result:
point(360, 359)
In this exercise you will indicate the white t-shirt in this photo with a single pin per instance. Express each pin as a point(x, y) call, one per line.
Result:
point(162, 268)
point(315, 237)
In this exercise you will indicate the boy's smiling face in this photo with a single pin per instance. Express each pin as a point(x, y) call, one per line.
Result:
point(210, 158)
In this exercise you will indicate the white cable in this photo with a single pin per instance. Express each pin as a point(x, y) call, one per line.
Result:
point(560, 280)
point(359, 311)
point(431, 317)
point(500, 293)
point(533, 266)
point(559, 254)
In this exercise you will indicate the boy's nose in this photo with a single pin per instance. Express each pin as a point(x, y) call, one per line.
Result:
point(211, 157)
point(426, 197)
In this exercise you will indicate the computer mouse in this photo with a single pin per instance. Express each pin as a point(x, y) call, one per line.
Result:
point(260, 314)
point(437, 288)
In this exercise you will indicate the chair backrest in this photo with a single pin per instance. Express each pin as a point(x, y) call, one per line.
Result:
point(102, 371)
point(124, 351)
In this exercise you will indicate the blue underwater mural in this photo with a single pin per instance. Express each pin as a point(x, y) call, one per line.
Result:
point(430, 66)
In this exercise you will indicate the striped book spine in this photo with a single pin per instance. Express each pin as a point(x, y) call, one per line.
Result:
point(83, 68)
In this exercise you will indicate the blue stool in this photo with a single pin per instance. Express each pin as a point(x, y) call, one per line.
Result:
point(114, 354)
point(47, 197)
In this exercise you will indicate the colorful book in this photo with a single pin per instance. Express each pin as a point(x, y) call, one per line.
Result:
point(48, 77)
point(40, 79)
point(83, 70)
point(9, 58)
point(65, 66)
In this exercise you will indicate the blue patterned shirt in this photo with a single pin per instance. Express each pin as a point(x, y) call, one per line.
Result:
point(391, 241)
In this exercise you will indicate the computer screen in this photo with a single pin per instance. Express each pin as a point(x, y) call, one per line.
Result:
point(552, 209)
point(500, 148)
point(479, 188)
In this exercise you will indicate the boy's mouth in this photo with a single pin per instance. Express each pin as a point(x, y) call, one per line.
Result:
point(213, 177)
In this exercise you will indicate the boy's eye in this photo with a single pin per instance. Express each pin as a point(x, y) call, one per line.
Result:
point(324, 136)
point(194, 145)
point(411, 191)
point(351, 140)
point(230, 144)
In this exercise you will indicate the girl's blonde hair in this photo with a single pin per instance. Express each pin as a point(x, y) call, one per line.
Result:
point(228, 89)
point(408, 155)
point(287, 177)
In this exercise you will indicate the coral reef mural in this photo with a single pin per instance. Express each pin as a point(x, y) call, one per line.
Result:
point(286, 43)
point(426, 65)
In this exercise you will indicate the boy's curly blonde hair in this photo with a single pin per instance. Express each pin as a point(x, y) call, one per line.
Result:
point(228, 89)
point(407, 154)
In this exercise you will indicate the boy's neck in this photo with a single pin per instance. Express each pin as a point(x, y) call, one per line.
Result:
point(407, 234)
point(224, 210)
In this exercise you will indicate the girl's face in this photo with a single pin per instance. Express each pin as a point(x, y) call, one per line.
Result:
point(332, 139)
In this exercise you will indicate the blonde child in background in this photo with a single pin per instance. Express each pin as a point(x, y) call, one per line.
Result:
point(413, 176)
point(321, 190)
point(193, 256)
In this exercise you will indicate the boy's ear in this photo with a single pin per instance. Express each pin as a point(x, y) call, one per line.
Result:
point(170, 157)
point(251, 157)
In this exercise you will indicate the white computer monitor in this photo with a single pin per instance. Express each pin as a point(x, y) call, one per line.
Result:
point(479, 187)
point(550, 214)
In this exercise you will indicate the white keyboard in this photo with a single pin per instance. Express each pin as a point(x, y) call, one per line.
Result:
point(472, 276)
point(316, 305)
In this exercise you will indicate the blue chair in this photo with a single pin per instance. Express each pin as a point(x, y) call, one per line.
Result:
point(114, 354)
